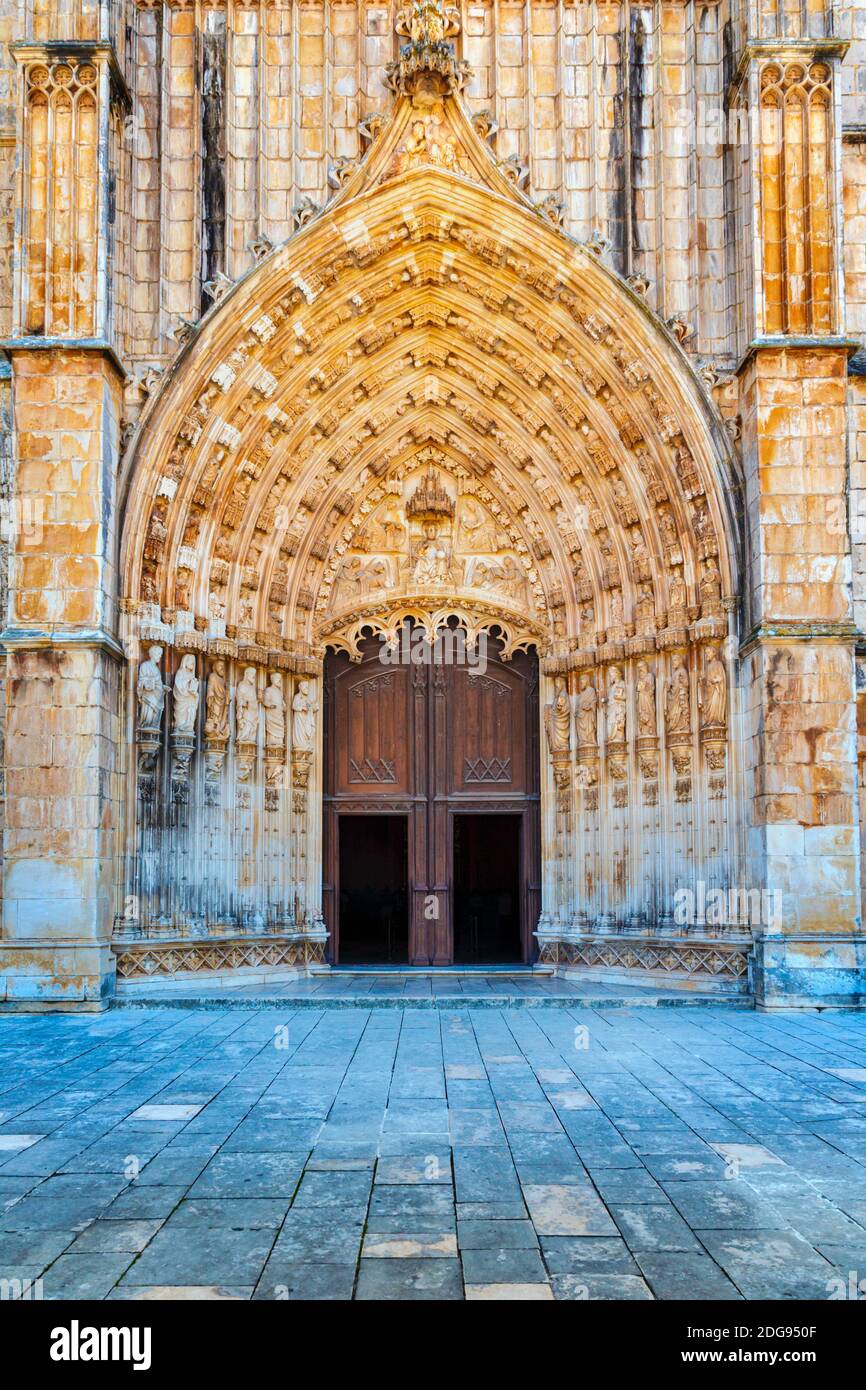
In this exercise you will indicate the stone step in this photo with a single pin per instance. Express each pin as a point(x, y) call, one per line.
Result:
point(227, 999)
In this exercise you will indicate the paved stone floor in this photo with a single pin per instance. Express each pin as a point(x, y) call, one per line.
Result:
point(629, 1153)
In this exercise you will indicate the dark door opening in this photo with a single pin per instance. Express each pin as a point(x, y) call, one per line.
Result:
point(374, 916)
point(486, 894)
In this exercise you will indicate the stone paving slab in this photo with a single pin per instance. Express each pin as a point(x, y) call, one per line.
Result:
point(396, 1154)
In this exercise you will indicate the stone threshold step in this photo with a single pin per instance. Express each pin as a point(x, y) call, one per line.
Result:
point(449, 972)
point(445, 1003)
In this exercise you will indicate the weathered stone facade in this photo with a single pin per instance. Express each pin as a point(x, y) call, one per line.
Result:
point(587, 278)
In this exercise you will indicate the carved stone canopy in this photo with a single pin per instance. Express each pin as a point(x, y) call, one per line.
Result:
point(430, 501)
point(427, 68)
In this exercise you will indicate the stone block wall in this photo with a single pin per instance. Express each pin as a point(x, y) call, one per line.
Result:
point(613, 110)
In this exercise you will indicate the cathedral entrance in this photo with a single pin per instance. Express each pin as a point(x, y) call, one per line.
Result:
point(431, 807)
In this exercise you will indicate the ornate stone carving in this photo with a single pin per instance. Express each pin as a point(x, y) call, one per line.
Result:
point(427, 66)
point(616, 706)
point(151, 691)
point(713, 691)
point(217, 703)
point(557, 719)
point(645, 690)
point(678, 716)
point(275, 712)
point(303, 719)
point(587, 712)
point(185, 697)
point(247, 708)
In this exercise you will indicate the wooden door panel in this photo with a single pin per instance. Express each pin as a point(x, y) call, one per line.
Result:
point(488, 739)
point(373, 752)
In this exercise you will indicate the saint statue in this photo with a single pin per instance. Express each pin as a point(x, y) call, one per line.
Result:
point(216, 723)
point(587, 705)
point(275, 712)
point(150, 690)
point(304, 719)
point(713, 690)
point(247, 707)
point(678, 718)
point(185, 702)
point(617, 700)
point(558, 719)
point(645, 687)
point(677, 588)
point(711, 582)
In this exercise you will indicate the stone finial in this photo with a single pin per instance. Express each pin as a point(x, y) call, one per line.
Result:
point(427, 68)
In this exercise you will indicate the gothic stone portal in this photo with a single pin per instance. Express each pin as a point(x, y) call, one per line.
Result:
point(415, 381)
point(433, 750)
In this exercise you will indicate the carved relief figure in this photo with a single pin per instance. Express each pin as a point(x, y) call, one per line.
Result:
point(646, 700)
point(478, 531)
point(275, 712)
point(217, 703)
point(711, 582)
point(558, 719)
point(617, 701)
point(678, 719)
point(713, 690)
point(587, 707)
point(150, 690)
point(185, 702)
point(616, 614)
point(304, 719)
point(247, 707)
point(431, 567)
point(390, 530)
point(677, 588)
point(358, 578)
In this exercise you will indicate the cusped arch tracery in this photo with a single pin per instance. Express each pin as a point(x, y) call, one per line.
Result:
point(430, 320)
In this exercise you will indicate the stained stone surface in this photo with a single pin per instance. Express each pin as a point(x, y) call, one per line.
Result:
point(403, 1154)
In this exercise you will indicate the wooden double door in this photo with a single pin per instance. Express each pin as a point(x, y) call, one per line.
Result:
point(431, 809)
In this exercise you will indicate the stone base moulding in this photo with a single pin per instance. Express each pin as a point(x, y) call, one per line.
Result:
point(810, 972)
point(57, 976)
point(683, 963)
point(233, 960)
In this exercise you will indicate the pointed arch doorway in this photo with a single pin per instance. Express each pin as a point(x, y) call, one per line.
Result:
point(432, 852)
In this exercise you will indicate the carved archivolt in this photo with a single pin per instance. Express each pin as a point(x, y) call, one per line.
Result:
point(432, 320)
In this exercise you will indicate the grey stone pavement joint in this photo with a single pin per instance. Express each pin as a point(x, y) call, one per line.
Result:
point(487, 1153)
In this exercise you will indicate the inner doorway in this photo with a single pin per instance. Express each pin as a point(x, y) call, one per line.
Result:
point(425, 744)
point(374, 910)
point(486, 889)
